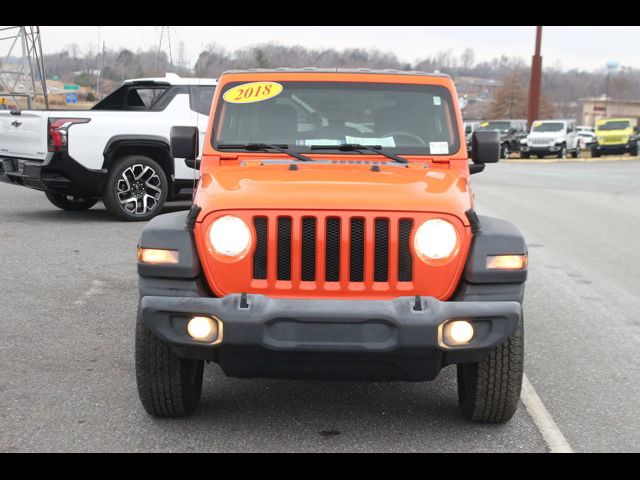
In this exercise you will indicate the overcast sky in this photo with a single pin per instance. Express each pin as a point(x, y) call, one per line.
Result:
point(565, 47)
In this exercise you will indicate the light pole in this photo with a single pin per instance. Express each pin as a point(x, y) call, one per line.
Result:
point(536, 78)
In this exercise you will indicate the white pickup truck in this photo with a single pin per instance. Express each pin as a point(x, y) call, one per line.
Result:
point(118, 151)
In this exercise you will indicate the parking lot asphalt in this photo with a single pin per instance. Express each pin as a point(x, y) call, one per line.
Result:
point(67, 313)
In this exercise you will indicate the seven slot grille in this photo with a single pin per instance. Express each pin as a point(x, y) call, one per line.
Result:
point(324, 241)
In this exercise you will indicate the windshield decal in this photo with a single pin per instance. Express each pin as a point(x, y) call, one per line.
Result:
point(385, 142)
point(438, 148)
point(253, 92)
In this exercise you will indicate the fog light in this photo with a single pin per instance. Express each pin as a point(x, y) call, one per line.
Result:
point(203, 328)
point(458, 332)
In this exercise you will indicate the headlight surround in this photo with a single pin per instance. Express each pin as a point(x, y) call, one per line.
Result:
point(436, 240)
point(230, 236)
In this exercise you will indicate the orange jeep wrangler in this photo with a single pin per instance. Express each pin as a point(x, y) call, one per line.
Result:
point(332, 237)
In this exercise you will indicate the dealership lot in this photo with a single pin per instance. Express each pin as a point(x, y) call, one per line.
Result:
point(69, 294)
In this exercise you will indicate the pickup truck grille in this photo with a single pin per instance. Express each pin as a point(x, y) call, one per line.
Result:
point(334, 248)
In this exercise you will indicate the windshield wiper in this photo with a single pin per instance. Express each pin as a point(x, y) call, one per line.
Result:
point(264, 147)
point(355, 147)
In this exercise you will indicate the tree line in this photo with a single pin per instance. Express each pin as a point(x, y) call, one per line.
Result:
point(561, 88)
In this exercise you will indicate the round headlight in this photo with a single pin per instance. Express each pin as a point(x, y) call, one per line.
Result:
point(435, 239)
point(230, 236)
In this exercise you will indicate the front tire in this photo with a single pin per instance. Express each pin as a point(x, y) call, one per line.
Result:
point(576, 152)
point(168, 386)
point(136, 189)
point(563, 152)
point(488, 391)
point(525, 155)
point(505, 151)
point(70, 203)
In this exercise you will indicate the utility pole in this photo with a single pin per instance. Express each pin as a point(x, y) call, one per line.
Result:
point(98, 68)
point(536, 79)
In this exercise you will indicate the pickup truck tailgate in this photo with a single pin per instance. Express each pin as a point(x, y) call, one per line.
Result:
point(24, 135)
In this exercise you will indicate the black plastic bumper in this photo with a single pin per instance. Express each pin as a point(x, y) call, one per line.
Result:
point(550, 150)
point(58, 173)
point(399, 339)
point(612, 149)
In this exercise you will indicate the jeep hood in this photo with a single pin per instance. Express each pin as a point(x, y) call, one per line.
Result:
point(334, 186)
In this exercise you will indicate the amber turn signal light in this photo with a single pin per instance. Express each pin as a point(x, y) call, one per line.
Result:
point(507, 262)
point(156, 256)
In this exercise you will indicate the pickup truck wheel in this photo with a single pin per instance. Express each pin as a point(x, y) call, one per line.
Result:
point(633, 151)
point(595, 153)
point(136, 188)
point(168, 386)
point(72, 203)
point(525, 155)
point(488, 391)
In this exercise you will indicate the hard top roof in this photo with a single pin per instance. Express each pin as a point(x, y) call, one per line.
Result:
point(339, 70)
point(173, 79)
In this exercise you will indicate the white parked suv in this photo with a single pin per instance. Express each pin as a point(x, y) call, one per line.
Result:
point(551, 137)
point(118, 151)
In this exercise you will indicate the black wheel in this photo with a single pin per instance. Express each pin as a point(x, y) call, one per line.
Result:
point(136, 188)
point(563, 152)
point(576, 152)
point(525, 155)
point(168, 386)
point(540, 156)
point(595, 153)
point(504, 151)
point(488, 391)
point(633, 151)
point(72, 203)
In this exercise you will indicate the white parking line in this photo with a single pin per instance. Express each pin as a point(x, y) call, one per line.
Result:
point(543, 419)
point(93, 290)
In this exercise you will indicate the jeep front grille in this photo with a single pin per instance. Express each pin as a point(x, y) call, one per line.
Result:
point(612, 139)
point(325, 240)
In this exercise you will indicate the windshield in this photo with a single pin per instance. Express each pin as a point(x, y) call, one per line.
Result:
point(500, 126)
point(409, 119)
point(547, 127)
point(615, 125)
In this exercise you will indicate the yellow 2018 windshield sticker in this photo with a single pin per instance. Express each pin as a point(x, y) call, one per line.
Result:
point(484, 124)
point(253, 92)
point(537, 124)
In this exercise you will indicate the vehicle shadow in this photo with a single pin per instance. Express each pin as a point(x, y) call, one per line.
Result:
point(287, 415)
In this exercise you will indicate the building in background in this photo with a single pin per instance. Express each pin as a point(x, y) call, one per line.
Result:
point(597, 108)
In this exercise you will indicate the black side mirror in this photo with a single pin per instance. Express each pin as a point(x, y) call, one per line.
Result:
point(485, 147)
point(185, 144)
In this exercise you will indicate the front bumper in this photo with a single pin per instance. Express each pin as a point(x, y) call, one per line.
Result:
point(613, 148)
point(399, 339)
point(57, 173)
point(541, 150)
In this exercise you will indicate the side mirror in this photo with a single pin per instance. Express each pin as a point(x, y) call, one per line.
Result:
point(485, 147)
point(185, 144)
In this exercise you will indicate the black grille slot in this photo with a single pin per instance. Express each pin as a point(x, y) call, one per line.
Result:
point(284, 248)
point(308, 247)
point(405, 266)
point(332, 263)
point(381, 253)
point(260, 255)
point(356, 266)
